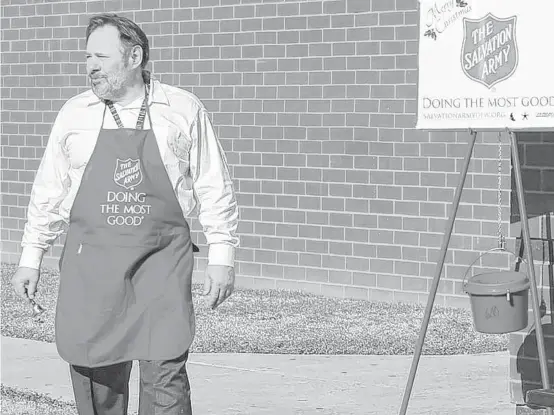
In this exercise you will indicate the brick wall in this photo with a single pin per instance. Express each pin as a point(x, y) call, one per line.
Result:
point(314, 102)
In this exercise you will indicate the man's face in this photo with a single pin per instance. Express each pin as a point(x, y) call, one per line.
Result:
point(107, 64)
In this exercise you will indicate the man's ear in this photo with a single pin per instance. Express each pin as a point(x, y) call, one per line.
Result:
point(135, 56)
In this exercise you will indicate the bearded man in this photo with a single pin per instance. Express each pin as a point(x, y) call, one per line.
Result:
point(125, 163)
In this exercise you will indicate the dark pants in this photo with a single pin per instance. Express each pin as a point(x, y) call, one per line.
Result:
point(164, 388)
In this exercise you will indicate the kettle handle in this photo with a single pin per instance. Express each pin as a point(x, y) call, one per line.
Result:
point(464, 282)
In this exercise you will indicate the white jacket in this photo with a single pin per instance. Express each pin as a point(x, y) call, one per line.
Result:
point(191, 152)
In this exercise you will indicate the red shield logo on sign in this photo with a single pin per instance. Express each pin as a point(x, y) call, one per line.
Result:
point(128, 173)
point(489, 49)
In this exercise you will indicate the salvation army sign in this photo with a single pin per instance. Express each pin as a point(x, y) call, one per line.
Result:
point(483, 65)
point(489, 49)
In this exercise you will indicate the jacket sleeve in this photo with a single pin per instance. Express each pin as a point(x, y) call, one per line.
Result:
point(213, 187)
point(45, 223)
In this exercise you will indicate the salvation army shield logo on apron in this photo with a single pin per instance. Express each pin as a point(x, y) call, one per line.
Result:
point(128, 173)
point(489, 49)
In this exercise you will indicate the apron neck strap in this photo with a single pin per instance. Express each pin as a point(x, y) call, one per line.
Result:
point(143, 107)
point(142, 113)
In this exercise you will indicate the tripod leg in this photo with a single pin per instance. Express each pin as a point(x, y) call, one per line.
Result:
point(438, 271)
point(531, 266)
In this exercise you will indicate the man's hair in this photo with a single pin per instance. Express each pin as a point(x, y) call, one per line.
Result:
point(129, 32)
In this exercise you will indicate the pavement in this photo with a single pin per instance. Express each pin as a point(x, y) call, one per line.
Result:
point(298, 384)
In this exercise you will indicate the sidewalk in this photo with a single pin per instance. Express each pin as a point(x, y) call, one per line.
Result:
point(299, 384)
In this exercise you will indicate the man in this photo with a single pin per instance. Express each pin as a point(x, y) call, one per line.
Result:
point(125, 162)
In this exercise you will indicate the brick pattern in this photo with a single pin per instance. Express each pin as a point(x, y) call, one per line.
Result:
point(314, 102)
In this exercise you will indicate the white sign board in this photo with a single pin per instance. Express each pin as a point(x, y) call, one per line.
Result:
point(486, 64)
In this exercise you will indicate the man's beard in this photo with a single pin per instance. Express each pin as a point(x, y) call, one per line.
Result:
point(109, 87)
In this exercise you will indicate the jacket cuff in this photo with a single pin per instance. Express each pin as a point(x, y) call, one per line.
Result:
point(31, 257)
point(221, 254)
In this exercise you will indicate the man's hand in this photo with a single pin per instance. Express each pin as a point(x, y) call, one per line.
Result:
point(218, 284)
point(25, 281)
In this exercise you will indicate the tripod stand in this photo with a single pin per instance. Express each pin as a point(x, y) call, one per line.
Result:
point(540, 396)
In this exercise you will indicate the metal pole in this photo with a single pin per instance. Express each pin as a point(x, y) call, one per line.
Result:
point(531, 266)
point(438, 271)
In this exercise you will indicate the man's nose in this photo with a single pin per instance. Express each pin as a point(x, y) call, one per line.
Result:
point(93, 65)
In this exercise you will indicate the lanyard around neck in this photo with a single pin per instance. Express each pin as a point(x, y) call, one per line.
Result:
point(142, 113)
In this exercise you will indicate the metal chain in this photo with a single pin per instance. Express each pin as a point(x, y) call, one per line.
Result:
point(501, 240)
point(543, 240)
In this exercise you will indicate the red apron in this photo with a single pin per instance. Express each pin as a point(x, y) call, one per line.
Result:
point(126, 269)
